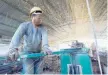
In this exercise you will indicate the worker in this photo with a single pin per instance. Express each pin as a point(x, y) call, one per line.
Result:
point(35, 38)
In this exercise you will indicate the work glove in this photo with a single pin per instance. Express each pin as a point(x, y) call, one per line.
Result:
point(13, 54)
point(47, 51)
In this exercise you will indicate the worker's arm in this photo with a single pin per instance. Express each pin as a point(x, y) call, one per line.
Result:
point(45, 45)
point(13, 49)
point(17, 36)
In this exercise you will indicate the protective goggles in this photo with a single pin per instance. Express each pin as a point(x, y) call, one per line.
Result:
point(35, 13)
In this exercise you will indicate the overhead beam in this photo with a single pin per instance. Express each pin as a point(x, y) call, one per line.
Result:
point(7, 25)
point(6, 33)
point(19, 21)
point(29, 2)
point(15, 7)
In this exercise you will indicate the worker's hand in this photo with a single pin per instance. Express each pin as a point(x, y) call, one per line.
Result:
point(48, 52)
point(13, 54)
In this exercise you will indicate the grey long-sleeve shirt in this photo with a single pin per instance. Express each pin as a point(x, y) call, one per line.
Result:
point(34, 38)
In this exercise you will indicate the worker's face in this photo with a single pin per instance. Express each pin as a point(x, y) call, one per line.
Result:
point(36, 19)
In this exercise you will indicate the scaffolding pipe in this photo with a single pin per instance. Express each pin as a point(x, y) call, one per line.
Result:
point(94, 33)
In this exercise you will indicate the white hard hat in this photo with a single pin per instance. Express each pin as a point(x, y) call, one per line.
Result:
point(35, 9)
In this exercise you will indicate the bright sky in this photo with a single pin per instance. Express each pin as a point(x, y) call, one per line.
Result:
point(4, 48)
